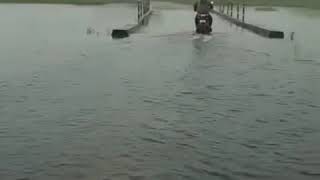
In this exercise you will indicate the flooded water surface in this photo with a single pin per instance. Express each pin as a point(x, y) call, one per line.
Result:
point(163, 104)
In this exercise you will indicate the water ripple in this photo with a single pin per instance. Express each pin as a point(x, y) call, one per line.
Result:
point(251, 175)
point(211, 173)
point(186, 145)
point(137, 177)
point(311, 174)
point(152, 140)
point(250, 146)
point(3, 85)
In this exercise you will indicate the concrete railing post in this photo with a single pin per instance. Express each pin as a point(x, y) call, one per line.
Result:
point(231, 9)
point(227, 8)
point(222, 7)
point(238, 13)
point(144, 10)
point(243, 11)
point(139, 9)
point(142, 7)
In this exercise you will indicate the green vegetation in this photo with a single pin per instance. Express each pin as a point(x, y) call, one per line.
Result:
point(298, 3)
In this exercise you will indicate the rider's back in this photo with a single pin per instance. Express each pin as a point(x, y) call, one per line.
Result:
point(202, 7)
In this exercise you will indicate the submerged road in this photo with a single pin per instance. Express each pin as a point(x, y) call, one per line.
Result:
point(163, 104)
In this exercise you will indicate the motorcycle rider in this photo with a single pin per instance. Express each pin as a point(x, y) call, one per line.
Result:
point(203, 7)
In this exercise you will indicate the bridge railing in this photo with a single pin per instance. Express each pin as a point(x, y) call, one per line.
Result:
point(144, 11)
point(231, 9)
point(226, 11)
point(143, 8)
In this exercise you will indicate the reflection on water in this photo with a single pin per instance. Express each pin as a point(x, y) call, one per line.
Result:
point(163, 104)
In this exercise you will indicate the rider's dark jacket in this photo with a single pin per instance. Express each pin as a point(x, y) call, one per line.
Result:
point(202, 6)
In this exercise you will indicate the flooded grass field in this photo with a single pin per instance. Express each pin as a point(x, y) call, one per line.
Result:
point(163, 104)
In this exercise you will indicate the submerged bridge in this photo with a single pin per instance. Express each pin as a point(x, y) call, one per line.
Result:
point(232, 12)
point(84, 106)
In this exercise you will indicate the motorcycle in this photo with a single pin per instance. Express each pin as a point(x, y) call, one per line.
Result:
point(204, 22)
